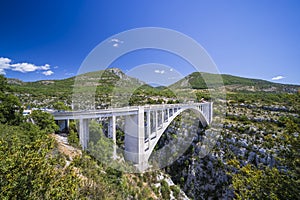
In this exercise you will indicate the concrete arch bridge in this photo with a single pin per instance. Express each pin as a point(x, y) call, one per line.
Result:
point(144, 125)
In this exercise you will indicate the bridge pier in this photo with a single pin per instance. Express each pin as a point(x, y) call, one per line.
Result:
point(135, 139)
point(84, 132)
point(112, 133)
point(211, 112)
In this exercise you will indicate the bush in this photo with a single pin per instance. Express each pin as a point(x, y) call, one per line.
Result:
point(165, 190)
point(44, 120)
point(176, 191)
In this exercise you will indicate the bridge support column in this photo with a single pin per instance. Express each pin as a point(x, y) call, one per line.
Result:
point(84, 132)
point(168, 114)
point(135, 139)
point(112, 134)
point(211, 112)
point(148, 125)
point(156, 123)
point(162, 117)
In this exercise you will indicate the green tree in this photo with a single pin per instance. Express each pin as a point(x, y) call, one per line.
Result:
point(30, 168)
point(100, 146)
point(73, 134)
point(44, 120)
point(10, 106)
point(60, 106)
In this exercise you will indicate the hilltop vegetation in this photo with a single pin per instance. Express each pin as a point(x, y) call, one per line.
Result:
point(196, 80)
point(114, 88)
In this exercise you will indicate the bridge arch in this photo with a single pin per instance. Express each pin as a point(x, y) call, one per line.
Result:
point(160, 132)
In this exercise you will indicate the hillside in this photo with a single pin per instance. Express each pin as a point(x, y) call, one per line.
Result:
point(65, 86)
point(45, 92)
point(196, 81)
point(113, 88)
point(114, 80)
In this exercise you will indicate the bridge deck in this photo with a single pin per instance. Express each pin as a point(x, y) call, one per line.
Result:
point(130, 110)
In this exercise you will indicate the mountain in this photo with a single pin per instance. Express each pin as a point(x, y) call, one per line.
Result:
point(113, 76)
point(65, 86)
point(115, 88)
point(235, 83)
point(44, 92)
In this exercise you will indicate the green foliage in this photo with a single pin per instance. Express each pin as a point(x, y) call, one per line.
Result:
point(165, 190)
point(61, 106)
point(176, 191)
point(10, 106)
point(44, 120)
point(100, 146)
point(101, 182)
point(73, 138)
point(263, 182)
point(270, 183)
point(29, 168)
point(196, 80)
point(267, 98)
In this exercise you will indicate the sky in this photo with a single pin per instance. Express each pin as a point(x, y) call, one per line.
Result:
point(51, 39)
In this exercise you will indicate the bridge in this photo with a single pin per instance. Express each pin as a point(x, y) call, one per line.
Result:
point(144, 125)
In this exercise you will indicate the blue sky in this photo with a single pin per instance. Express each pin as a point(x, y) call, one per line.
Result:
point(50, 39)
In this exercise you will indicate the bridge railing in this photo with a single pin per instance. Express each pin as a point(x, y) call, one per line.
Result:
point(167, 109)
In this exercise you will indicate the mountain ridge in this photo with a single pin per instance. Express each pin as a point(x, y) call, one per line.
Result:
point(112, 76)
point(117, 70)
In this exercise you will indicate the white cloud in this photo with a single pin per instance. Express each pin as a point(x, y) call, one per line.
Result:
point(27, 67)
point(5, 64)
point(116, 42)
point(159, 71)
point(171, 69)
point(48, 73)
point(276, 78)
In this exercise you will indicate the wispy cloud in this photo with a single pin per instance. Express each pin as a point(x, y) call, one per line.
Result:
point(276, 78)
point(48, 73)
point(159, 71)
point(69, 74)
point(116, 42)
point(6, 64)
